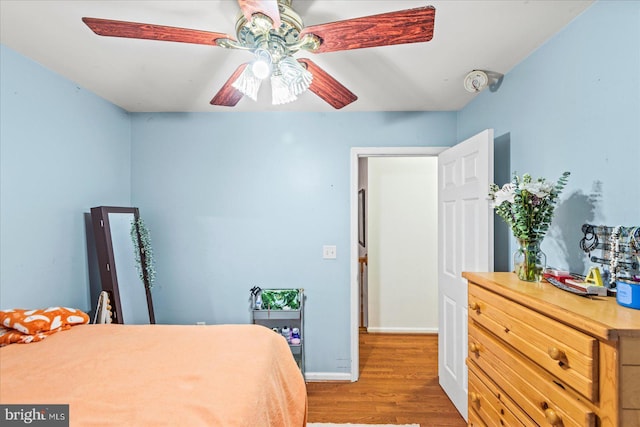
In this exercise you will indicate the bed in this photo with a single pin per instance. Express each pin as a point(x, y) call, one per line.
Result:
point(155, 375)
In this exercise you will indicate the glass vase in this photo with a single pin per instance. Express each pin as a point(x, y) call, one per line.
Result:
point(529, 261)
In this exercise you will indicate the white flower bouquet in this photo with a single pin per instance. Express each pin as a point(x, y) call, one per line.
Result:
point(527, 207)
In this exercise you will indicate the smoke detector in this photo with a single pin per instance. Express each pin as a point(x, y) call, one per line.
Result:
point(476, 80)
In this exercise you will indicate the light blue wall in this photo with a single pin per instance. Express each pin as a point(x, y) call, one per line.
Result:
point(62, 151)
point(574, 105)
point(235, 200)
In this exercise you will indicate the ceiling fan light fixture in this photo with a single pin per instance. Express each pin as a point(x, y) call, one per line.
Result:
point(290, 79)
point(280, 91)
point(262, 66)
point(294, 75)
point(261, 69)
point(248, 83)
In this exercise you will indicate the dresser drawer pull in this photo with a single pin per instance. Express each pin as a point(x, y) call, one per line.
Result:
point(474, 348)
point(553, 418)
point(557, 354)
point(474, 306)
point(474, 397)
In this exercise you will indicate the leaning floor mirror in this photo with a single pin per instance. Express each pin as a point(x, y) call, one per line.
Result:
point(124, 271)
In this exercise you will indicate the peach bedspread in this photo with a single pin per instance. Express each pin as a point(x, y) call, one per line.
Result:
point(159, 375)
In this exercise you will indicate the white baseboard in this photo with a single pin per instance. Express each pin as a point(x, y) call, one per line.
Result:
point(383, 330)
point(327, 376)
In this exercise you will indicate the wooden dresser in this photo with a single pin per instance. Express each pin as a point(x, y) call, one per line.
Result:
point(542, 356)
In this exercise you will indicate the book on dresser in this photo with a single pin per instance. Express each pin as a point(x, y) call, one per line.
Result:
point(539, 355)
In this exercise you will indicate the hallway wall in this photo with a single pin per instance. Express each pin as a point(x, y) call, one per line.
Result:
point(402, 244)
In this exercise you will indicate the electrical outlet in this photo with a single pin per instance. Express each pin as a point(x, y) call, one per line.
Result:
point(329, 252)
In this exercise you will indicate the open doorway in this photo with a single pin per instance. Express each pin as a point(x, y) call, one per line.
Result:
point(465, 243)
point(400, 215)
point(358, 251)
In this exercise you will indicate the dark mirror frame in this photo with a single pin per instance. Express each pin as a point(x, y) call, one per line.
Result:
point(362, 225)
point(106, 259)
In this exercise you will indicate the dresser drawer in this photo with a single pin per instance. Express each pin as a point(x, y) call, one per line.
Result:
point(475, 420)
point(491, 405)
point(545, 398)
point(567, 353)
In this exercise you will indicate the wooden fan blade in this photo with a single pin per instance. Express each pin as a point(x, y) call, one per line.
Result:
point(404, 26)
point(266, 7)
point(228, 96)
point(326, 87)
point(137, 30)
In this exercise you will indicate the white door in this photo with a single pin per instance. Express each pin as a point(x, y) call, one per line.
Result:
point(465, 242)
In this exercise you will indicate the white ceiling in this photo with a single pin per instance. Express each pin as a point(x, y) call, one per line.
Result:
point(153, 76)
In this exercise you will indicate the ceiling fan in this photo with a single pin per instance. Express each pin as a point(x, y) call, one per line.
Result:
point(274, 32)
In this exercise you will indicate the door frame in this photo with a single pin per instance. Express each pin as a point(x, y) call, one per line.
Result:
point(356, 153)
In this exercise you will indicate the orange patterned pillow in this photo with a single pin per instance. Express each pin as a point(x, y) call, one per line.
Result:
point(42, 320)
point(10, 336)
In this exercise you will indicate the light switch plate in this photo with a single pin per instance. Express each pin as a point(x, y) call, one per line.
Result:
point(329, 252)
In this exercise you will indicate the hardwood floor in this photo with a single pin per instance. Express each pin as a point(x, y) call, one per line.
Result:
point(398, 385)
